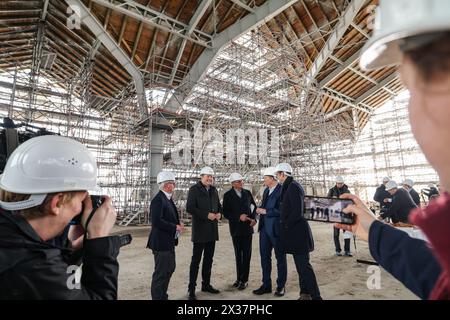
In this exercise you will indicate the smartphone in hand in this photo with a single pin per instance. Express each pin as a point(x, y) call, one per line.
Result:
point(324, 209)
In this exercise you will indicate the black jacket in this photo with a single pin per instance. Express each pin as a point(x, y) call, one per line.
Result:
point(32, 269)
point(430, 192)
point(199, 203)
point(234, 206)
point(336, 192)
point(296, 235)
point(415, 196)
point(380, 195)
point(164, 223)
point(401, 206)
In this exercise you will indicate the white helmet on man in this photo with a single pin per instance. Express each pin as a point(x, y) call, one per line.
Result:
point(165, 176)
point(401, 19)
point(270, 171)
point(235, 177)
point(408, 182)
point(391, 185)
point(207, 170)
point(339, 179)
point(48, 164)
point(284, 167)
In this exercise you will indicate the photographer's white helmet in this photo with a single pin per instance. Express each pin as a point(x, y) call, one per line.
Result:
point(207, 170)
point(284, 167)
point(235, 177)
point(48, 164)
point(165, 176)
point(400, 19)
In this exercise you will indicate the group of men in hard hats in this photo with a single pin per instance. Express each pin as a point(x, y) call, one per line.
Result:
point(282, 228)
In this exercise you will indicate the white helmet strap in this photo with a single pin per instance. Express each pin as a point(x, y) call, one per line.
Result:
point(34, 201)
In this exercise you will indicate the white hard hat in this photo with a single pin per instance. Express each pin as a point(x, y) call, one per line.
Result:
point(270, 171)
point(48, 164)
point(408, 182)
point(207, 170)
point(391, 185)
point(164, 176)
point(400, 19)
point(235, 177)
point(284, 167)
point(339, 179)
point(386, 179)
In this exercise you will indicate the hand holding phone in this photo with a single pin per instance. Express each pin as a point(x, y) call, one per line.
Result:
point(324, 209)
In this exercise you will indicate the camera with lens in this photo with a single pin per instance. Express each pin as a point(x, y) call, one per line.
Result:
point(97, 201)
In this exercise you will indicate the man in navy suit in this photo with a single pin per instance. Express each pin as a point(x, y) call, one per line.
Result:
point(269, 232)
point(166, 227)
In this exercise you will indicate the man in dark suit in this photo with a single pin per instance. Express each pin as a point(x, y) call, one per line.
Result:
point(204, 206)
point(408, 186)
point(166, 227)
point(239, 208)
point(382, 196)
point(296, 236)
point(269, 235)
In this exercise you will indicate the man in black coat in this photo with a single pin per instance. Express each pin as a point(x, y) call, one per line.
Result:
point(401, 206)
point(163, 238)
point(382, 196)
point(239, 208)
point(204, 206)
point(408, 186)
point(296, 236)
point(339, 189)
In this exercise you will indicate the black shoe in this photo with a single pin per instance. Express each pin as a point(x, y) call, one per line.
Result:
point(191, 295)
point(305, 296)
point(338, 253)
point(242, 285)
point(279, 292)
point(348, 254)
point(236, 283)
point(262, 290)
point(210, 289)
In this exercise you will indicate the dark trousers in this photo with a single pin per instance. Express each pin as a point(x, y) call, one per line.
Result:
point(164, 268)
point(266, 244)
point(243, 253)
point(198, 249)
point(307, 278)
point(337, 243)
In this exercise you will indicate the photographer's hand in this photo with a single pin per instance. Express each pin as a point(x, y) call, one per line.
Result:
point(363, 220)
point(102, 221)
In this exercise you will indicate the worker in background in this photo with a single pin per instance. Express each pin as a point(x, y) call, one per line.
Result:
point(296, 236)
point(239, 208)
point(408, 186)
point(204, 206)
point(166, 228)
point(44, 188)
point(382, 196)
point(269, 236)
point(432, 192)
point(401, 205)
point(339, 189)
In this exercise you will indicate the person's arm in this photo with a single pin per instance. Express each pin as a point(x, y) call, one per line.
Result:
point(191, 206)
point(409, 260)
point(252, 202)
point(158, 221)
point(295, 200)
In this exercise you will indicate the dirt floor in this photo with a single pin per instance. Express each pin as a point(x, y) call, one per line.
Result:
point(338, 277)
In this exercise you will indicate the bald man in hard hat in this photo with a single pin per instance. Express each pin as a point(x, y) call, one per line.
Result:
point(166, 228)
point(408, 186)
point(239, 208)
point(339, 189)
point(204, 206)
